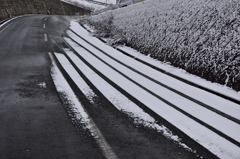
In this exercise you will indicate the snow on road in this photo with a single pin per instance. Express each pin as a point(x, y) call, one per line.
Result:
point(207, 118)
point(121, 102)
point(64, 88)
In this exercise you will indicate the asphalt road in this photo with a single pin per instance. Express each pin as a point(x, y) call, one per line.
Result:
point(33, 121)
point(34, 124)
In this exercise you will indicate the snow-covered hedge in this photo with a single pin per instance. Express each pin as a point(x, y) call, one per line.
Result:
point(200, 36)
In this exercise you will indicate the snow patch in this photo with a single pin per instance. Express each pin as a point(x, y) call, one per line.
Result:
point(84, 3)
point(122, 103)
point(212, 141)
point(79, 111)
point(42, 85)
point(63, 87)
point(182, 73)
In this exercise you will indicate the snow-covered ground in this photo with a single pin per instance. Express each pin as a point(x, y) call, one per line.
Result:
point(189, 90)
point(85, 4)
point(199, 36)
point(221, 89)
point(64, 89)
point(209, 119)
point(107, 1)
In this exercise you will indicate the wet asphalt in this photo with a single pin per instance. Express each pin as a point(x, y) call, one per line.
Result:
point(35, 123)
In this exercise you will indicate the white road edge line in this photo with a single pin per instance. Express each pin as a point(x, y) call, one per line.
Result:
point(62, 86)
point(7, 23)
point(44, 26)
point(45, 37)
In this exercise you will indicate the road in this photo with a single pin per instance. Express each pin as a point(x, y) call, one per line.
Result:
point(33, 121)
point(36, 123)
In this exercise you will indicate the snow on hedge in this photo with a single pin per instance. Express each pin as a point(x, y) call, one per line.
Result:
point(200, 36)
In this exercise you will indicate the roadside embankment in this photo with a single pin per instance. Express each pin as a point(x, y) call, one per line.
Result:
point(201, 37)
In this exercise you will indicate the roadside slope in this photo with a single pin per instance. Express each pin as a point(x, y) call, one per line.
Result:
point(201, 37)
point(159, 95)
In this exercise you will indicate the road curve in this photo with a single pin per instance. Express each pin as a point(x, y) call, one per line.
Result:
point(33, 121)
point(36, 123)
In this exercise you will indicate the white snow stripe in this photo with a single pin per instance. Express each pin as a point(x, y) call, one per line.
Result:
point(216, 102)
point(205, 115)
point(216, 144)
point(218, 88)
point(235, 117)
point(63, 87)
point(82, 85)
point(121, 102)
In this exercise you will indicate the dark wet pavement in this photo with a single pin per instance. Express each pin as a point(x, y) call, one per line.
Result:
point(33, 121)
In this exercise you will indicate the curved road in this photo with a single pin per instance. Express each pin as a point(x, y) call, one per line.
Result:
point(34, 124)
